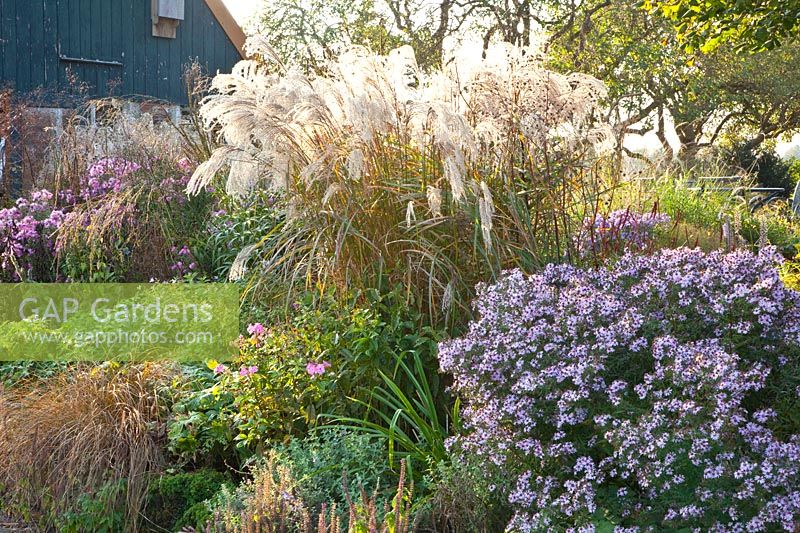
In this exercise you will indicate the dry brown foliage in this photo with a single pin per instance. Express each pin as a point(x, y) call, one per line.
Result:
point(82, 430)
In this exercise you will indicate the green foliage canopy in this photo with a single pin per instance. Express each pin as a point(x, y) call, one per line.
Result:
point(749, 24)
point(651, 76)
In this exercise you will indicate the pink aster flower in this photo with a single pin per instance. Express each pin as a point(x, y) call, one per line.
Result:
point(185, 165)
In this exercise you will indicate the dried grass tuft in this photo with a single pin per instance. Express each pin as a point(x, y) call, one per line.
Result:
point(78, 431)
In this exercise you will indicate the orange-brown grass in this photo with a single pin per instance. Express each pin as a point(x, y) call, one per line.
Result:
point(77, 432)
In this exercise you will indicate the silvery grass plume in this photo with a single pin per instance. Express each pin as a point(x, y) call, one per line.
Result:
point(275, 121)
point(389, 165)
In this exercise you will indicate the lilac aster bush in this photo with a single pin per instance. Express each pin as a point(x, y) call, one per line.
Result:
point(27, 237)
point(105, 176)
point(619, 231)
point(28, 229)
point(658, 394)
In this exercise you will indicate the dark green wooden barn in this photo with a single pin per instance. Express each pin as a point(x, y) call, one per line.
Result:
point(126, 48)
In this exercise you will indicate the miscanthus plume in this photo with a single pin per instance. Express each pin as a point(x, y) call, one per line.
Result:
point(375, 148)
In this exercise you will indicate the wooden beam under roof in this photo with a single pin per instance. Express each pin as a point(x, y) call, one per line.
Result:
point(229, 24)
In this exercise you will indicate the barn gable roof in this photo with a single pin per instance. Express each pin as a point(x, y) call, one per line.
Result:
point(229, 24)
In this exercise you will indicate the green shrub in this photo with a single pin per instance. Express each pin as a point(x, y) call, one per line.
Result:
point(329, 353)
point(794, 171)
point(198, 431)
point(176, 501)
point(317, 462)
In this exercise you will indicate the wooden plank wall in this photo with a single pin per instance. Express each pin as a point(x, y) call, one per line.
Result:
point(34, 32)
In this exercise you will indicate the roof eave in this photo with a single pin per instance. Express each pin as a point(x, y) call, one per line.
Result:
point(229, 25)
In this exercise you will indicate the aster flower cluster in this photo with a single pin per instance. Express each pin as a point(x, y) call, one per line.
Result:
point(29, 236)
point(109, 175)
point(174, 186)
point(659, 393)
point(28, 229)
point(185, 263)
point(618, 231)
point(103, 178)
point(106, 176)
point(26, 234)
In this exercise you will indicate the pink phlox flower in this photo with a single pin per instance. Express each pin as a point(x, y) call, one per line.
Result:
point(256, 329)
point(317, 369)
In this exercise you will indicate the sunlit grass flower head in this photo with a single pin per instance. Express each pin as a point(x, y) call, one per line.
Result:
point(430, 178)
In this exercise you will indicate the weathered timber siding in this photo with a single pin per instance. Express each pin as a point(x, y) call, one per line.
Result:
point(37, 38)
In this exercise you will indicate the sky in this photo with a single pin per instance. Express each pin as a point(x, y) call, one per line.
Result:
point(241, 9)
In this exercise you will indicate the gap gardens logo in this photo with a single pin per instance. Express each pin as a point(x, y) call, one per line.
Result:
point(118, 321)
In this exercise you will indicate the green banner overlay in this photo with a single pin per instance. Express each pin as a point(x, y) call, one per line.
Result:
point(118, 321)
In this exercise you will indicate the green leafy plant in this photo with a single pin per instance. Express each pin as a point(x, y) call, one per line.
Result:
point(409, 419)
point(328, 352)
point(752, 25)
point(15, 373)
point(235, 224)
point(101, 510)
point(175, 501)
point(318, 460)
point(197, 431)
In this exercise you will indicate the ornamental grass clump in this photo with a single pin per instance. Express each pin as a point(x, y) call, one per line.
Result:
point(429, 180)
point(64, 440)
point(657, 394)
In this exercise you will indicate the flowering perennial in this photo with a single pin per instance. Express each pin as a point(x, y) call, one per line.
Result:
point(618, 231)
point(105, 176)
point(26, 234)
point(184, 264)
point(660, 393)
point(317, 369)
point(29, 230)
